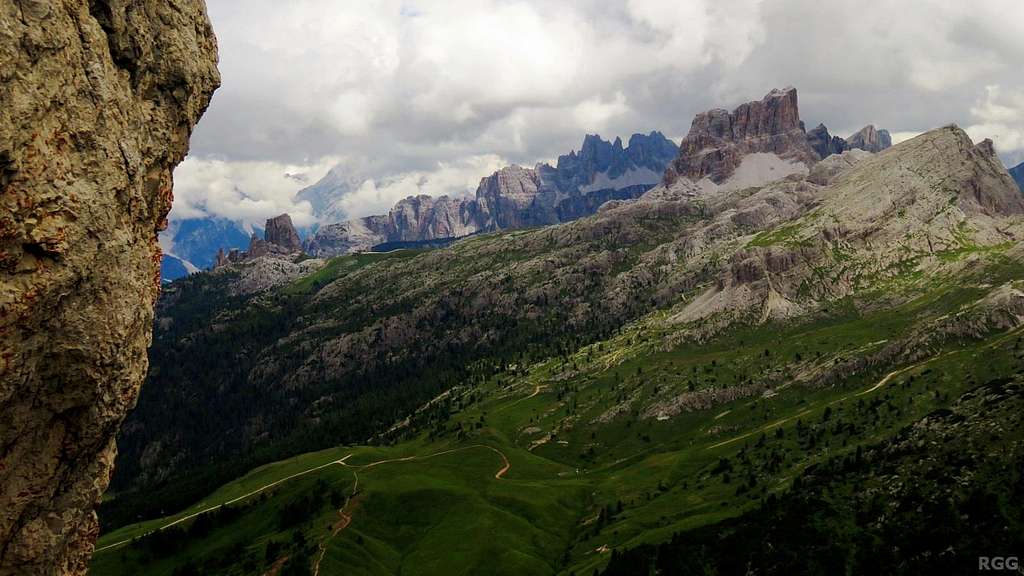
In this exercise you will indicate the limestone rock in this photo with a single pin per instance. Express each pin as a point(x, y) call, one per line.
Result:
point(264, 272)
point(97, 103)
point(719, 140)
point(279, 240)
point(824, 143)
point(280, 232)
point(426, 218)
point(870, 139)
point(824, 172)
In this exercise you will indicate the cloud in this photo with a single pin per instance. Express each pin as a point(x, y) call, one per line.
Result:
point(247, 192)
point(451, 179)
point(404, 87)
point(999, 114)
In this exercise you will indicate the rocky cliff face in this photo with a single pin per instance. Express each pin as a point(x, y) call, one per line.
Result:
point(97, 103)
point(870, 139)
point(281, 232)
point(513, 197)
point(719, 140)
point(824, 143)
point(279, 239)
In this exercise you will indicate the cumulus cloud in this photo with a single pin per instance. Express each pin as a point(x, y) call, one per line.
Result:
point(404, 88)
point(377, 196)
point(248, 192)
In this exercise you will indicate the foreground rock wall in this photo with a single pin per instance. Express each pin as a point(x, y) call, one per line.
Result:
point(97, 102)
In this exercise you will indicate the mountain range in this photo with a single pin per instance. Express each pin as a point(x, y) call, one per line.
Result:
point(513, 197)
point(764, 344)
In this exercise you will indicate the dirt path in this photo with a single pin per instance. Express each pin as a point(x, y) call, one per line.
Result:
point(346, 517)
point(536, 390)
point(340, 461)
point(885, 380)
point(506, 465)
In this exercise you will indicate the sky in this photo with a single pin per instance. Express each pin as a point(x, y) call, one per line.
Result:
point(406, 97)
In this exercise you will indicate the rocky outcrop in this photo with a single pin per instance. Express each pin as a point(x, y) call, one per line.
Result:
point(357, 235)
point(719, 140)
point(97, 103)
point(513, 197)
point(870, 139)
point(279, 240)
point(280, 232)
point(825, 144)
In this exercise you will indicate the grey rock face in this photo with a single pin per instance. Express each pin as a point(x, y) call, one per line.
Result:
point(824, 143)
point(719, 140)
point(279, 239)
point(281, 232)
point(870, 139)
point(97, 103)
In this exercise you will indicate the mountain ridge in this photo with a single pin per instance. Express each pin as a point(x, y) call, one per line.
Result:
point(512, 197)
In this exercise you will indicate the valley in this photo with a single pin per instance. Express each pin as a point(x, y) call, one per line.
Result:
point(715, 359)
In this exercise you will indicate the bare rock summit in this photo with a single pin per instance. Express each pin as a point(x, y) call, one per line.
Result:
point(281, 232)
point(719, 140)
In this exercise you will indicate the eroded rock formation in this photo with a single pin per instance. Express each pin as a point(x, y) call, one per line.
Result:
point(824, 143)
point(719, 140)
point(97, 103)
point(871, 139)
point(280, 239)
point(281, 232)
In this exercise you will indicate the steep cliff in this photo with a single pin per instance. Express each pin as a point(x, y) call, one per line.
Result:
point(281, 232)
point(719, 140)
point(871, 139)
point(824, 143)
point(97, 103)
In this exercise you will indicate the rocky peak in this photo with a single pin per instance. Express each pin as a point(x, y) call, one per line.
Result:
point(600, 157)
point(986, 147)
point(83, 83)
point(280, 232)
point(825, 144)
point(719, 140)
point(279, 239)
point(870, 139)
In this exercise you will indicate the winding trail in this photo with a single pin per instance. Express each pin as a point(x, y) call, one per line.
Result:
point(506, 465)
point(536, 390)
point(340, 461)
point(346, 518)
point(885, 380)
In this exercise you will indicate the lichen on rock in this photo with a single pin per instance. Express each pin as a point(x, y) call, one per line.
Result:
point(97, 103)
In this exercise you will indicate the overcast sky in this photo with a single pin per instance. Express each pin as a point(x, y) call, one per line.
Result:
point(429, 96)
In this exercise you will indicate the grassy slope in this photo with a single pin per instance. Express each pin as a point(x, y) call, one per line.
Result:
point(448, 514)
